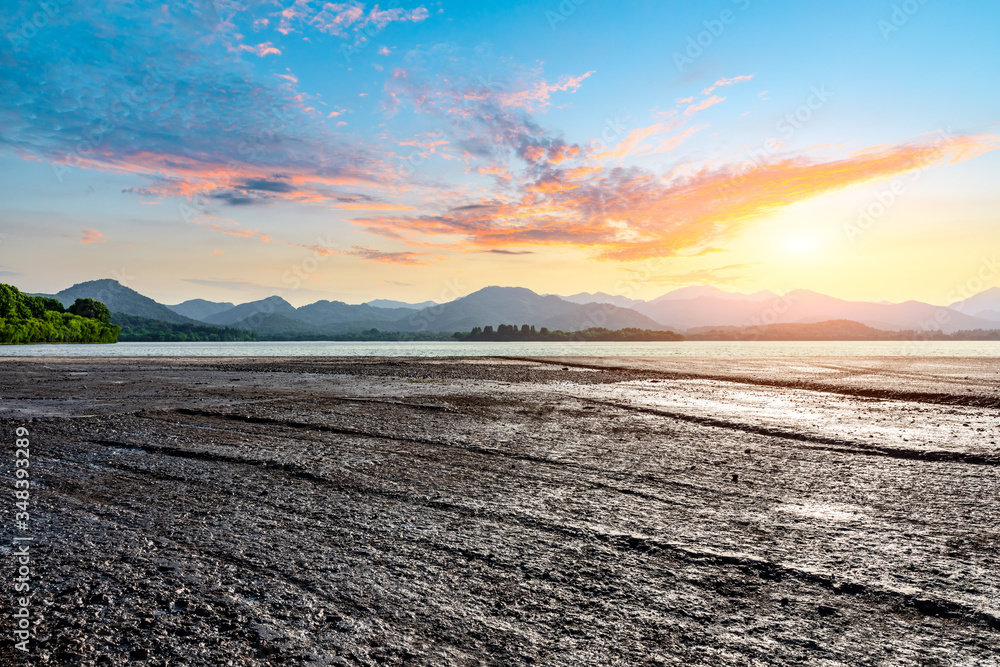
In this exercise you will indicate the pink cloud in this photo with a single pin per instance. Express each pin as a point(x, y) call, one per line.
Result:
point(344, 19)
point(371, 255)
point(91, 236)
point(704, 104)
point(535, 96)
point(261, 49)
point(727, 82)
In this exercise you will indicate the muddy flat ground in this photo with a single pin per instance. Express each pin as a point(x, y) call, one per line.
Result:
point(809, 511)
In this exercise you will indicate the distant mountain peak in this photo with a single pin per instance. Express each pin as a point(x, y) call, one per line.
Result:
point(120, 299)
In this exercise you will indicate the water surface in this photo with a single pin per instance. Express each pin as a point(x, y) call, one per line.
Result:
point(545, 349)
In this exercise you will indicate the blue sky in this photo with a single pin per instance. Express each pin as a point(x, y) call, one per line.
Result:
point(424, 150)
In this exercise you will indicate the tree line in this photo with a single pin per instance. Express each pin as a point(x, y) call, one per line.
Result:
point(40, 319)
point(144, 330)
point(511, 332)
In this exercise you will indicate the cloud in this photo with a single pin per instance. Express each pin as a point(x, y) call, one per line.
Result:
point(501, 251)
point(383, 51)
point(704, 104)
point(535, 95)
point(91, 236)
point(343, 19)
point(371, 255)
point(726, 82)
point(265, 185)
point(261, 50)
point(487, 117)
point(657, 138)
point(629, 213)
point(165, 92)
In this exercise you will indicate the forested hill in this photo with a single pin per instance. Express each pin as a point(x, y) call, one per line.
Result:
point(33, 319)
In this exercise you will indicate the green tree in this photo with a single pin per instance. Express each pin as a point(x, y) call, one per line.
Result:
point(91, 308)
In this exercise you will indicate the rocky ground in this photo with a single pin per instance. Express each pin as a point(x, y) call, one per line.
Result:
point(507, 511)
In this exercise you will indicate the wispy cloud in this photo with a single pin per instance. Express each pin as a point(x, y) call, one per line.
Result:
point(91, 236)
point(371, 255)
point(726, 82)
point(267, 48)
point(343, 19)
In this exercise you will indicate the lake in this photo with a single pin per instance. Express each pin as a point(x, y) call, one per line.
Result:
point(542, 349)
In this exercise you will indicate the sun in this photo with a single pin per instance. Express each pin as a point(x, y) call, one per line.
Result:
point(800, 244)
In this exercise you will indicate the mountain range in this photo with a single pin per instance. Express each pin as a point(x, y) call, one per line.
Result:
point(689, 309)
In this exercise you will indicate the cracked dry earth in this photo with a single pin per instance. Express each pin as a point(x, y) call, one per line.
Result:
point(508, 511)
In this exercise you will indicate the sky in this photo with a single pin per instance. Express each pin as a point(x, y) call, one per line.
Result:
point(421, 151)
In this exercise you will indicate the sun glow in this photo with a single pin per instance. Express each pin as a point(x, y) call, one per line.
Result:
point(800, 245)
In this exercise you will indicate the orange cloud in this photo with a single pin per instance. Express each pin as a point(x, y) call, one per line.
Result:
point(631, 214)
point(645, 141)
point(496, 170)
point(91, 236)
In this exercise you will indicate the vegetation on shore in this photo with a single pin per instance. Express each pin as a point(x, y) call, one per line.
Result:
point(142, 329)
point(832, 330)
point(361, 336)
point(838, 330)
point(510, 332)
point(33, 319)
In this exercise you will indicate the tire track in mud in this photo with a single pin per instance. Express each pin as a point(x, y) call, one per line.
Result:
point(836, 444)
point(937, 398)
point(766, 569)
point(649, 479)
